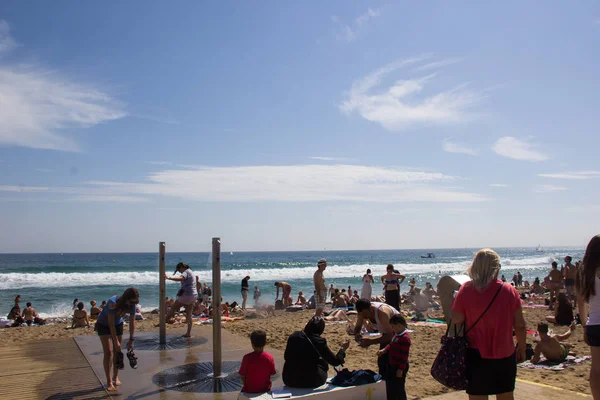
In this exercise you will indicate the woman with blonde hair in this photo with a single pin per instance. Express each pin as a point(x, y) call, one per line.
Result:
point(587, 286)
point(490, 310)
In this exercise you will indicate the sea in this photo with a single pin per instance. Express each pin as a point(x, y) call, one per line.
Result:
point(52, 281)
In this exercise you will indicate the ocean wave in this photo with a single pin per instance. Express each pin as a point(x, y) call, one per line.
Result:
point(62, 279)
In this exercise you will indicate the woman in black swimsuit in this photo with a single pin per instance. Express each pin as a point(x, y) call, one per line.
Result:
point(392, 281)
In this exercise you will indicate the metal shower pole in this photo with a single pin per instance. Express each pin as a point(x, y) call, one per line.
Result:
point(216, 303)
point(162, 293)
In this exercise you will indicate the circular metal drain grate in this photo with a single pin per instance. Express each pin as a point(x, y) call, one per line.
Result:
point(151, 342)
point(198, 378)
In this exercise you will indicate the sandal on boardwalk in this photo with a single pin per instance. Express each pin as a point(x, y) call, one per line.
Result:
point(132, 359)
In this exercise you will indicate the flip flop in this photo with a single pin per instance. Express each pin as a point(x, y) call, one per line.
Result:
point(132, 359)
point(120, 358)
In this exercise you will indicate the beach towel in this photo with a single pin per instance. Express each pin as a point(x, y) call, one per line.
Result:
point(554, 366)
point(534, 305)
point(427, 323)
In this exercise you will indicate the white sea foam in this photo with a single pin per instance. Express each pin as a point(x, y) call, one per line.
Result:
point(57, 279)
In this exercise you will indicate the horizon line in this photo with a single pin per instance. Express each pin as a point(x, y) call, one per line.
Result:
point(574, 247)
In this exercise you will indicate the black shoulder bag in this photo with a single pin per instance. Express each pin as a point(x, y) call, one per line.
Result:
point(449, 365)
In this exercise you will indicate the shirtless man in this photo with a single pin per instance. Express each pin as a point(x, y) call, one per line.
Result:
point(31, 316)
point(286, 293)
point(338, 299)
point(570, 273)
point(554, 283)
point(378, 315)
point(551, 346)
point(320, 286)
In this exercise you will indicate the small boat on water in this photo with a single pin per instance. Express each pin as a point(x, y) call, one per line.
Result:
point(539, 248)
point(429, 255)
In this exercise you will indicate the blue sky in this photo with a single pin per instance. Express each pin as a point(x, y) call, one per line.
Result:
point(298, 125)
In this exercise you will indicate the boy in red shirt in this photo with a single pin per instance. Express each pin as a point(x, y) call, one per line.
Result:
point(258, 366)
point(398, 350)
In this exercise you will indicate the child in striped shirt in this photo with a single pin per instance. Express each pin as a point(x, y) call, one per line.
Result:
point(398, 350)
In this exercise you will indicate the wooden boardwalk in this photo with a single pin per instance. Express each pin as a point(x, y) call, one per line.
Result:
point(50, 369)
point(525, 390)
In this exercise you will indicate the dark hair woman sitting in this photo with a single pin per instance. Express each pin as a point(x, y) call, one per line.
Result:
point(307, 356)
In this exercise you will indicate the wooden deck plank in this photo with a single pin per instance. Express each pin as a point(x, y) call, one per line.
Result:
point(52, 370)
point(74, 383)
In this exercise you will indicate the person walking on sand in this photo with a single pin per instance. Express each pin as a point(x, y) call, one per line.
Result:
point(286, 293)
point(587, 286)
point(245, 289)
point(110, 331)
point(331, 292)
point(367, 289)
point(320, 286)
point(186, 296)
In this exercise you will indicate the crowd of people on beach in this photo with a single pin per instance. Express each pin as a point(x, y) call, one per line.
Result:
point(489, 307)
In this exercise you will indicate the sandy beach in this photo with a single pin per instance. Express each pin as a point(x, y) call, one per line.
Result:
point(426, 343)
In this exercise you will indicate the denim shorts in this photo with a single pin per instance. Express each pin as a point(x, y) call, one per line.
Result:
point(593, 334)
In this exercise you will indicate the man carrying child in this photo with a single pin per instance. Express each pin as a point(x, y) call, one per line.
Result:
point(257, 367)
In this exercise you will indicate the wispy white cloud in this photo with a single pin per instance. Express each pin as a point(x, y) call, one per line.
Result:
point(38, 105)
point(159, 162)
point(321, 158)
point(294, 183)
point(350, 31)
point(403, 104)
point(498, 185)
point(438, 64)
point(7, 42)
point(109, 198)
point(28, 189)
point(514, 148)
point(452, 147)
point(575, 175)
point(44, 170)
point(548, 188)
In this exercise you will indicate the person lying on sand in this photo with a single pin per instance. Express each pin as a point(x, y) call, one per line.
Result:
point(551, 346)
point(337, 315)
